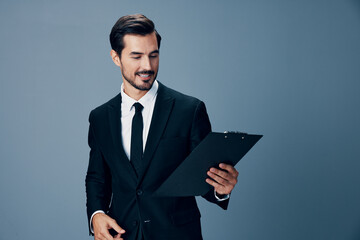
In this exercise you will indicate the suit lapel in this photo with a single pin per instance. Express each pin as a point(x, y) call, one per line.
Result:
point(163, 106)
point(114, 113)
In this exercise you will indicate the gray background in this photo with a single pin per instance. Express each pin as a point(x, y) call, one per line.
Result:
point(286, 69)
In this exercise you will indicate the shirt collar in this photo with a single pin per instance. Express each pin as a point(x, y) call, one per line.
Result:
point(145, 101)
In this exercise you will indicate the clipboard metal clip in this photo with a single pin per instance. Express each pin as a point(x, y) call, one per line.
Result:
point(236, 132)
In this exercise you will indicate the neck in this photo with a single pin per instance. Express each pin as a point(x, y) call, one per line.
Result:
point(132, 92)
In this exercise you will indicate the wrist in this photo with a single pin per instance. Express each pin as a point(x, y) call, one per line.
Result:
point(221, 197)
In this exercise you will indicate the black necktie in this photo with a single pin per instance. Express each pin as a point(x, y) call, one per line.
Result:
point(136, 148)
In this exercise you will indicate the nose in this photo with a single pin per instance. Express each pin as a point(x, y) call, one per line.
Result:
point(145, 63)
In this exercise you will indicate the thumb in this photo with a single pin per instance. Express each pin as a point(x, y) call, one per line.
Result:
point(116, 227)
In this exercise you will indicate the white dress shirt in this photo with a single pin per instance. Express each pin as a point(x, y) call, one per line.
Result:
point(128, 112)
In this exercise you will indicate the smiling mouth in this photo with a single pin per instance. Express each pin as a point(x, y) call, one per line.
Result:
point(145, 74)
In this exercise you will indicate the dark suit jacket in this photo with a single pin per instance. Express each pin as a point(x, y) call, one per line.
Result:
point(178, 125)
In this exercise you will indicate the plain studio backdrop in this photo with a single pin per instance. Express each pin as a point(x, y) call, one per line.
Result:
point(289, 70)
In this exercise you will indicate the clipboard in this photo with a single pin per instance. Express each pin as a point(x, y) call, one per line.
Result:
point(188, 179)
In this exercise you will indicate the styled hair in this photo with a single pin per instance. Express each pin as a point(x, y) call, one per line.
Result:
point(131, 24)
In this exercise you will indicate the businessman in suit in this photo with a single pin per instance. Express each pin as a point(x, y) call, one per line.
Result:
point(137, 139)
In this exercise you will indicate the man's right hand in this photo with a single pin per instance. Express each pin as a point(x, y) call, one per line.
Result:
point(101, 225)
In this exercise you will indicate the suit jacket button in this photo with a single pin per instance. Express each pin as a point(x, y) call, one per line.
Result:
point(134, 223)
point(139, 192)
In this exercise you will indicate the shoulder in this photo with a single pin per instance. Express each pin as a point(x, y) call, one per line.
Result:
point(101, 111)
point(180, 98)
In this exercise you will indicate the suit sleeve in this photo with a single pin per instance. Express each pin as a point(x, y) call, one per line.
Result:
point(98, 178)
point(200, 128)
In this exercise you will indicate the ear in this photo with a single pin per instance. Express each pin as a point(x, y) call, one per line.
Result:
point(115, 57)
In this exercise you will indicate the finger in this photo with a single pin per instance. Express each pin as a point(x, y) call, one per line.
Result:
point(100, 237)
point(226, 185)
point(105, 235)
point(116, 227)
point(216, 185)
point(222, 174)
point(217, 178)
point(117, 237)
point(229, 168)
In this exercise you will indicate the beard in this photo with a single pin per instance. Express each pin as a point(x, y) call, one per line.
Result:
point(146, 85)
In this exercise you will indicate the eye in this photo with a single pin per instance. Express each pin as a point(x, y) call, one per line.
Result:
point(153, 56)
point(136, 57)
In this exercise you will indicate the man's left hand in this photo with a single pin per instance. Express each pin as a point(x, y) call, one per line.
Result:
point(224, 180)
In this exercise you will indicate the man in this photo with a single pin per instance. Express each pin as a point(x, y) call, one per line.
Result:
point(137, 139)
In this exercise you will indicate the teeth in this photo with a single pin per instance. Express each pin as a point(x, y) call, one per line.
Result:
point(144, 75)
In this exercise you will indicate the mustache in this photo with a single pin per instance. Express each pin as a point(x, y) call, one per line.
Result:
point(146, 72)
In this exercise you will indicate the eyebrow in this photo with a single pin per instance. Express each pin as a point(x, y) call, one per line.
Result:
point(139, 53)
point(155, 51)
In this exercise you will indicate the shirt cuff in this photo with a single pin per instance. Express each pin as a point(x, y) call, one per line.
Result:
point(91, 226)
point(221, 197)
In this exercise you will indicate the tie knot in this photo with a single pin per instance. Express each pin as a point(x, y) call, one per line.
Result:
point(138, 107)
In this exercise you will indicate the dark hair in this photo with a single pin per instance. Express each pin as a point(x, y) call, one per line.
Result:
point(131, 24)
